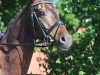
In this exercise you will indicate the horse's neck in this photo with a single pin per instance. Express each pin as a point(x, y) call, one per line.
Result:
point(17, 59)
point(20, 27)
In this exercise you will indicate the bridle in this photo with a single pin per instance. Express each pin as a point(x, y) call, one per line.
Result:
point(45, 32)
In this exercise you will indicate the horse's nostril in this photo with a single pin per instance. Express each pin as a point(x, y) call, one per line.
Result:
point(62, 39)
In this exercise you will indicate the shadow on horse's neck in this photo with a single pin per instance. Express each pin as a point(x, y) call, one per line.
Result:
point(20, 28)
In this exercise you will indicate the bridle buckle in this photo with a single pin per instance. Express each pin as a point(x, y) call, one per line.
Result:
point(47, 39)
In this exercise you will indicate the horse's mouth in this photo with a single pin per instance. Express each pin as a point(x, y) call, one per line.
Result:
point(61, 48)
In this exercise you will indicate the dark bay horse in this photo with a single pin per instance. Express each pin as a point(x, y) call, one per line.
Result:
point(39, 19)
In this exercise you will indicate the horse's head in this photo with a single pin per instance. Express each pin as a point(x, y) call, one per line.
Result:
point(52, 26)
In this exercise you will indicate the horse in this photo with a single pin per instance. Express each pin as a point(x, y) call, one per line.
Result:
point(39, 19)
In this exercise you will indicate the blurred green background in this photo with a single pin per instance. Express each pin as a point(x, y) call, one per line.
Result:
point(82, 19)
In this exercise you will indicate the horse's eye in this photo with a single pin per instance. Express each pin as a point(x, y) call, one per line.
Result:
point(42, 13)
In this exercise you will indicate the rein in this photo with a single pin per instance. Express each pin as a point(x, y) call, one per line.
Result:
point(25, 44)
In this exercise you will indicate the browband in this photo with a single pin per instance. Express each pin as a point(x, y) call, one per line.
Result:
point(42, 2)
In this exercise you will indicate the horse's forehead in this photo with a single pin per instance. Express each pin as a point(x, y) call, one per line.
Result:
point(50, 10)
point(45, 7)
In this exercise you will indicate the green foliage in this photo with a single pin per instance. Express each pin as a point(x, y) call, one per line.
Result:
point(2, 26)
point(84, 58)
point(8, 9)
point(84, 55)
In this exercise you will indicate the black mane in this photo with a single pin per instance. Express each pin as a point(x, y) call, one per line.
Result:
point(20, 27)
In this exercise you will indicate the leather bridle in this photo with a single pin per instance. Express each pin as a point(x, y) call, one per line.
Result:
point(46, 32)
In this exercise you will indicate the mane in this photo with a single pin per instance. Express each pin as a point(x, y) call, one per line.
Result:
point(18, 24)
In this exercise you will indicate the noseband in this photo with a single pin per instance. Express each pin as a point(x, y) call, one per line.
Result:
point(46, 32)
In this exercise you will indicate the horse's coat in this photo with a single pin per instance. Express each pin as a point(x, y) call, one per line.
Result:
point(14, 59)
